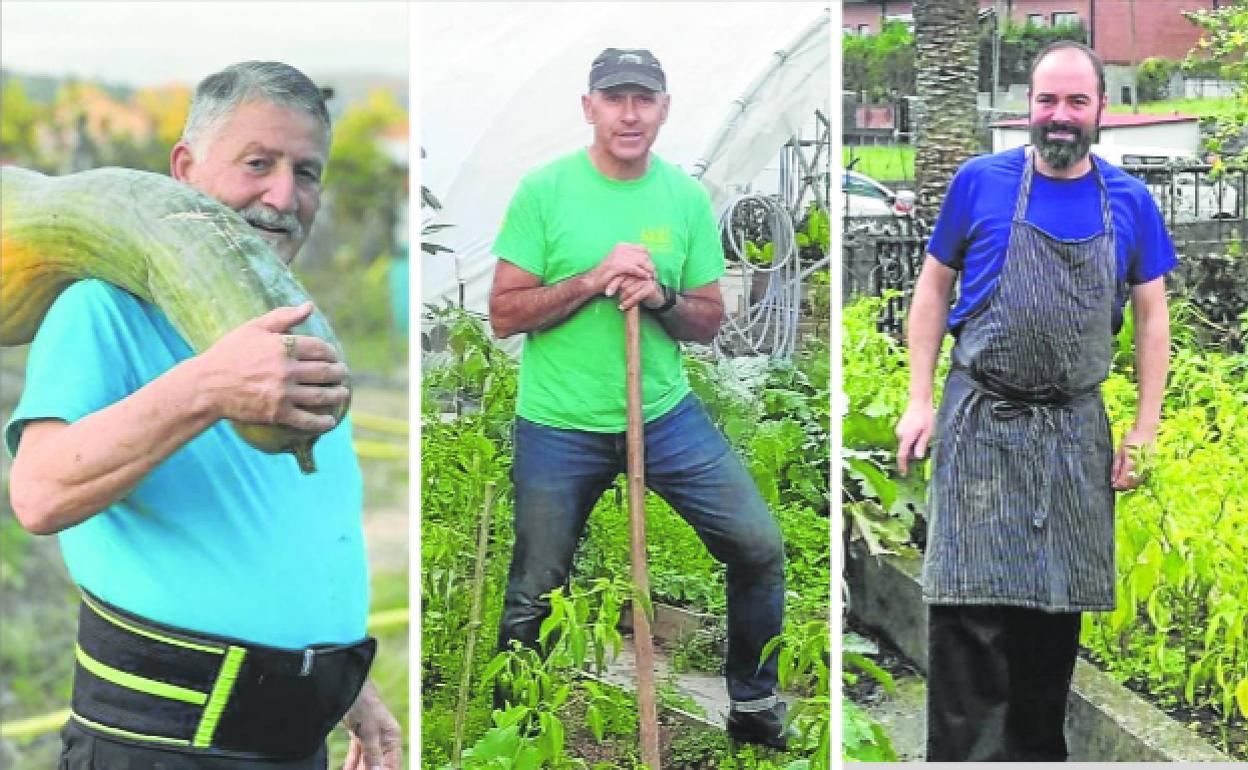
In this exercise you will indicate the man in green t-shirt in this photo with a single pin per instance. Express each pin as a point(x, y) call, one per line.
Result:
point(585, 237)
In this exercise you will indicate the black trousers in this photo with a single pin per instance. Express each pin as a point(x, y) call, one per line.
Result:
point(81, 750)
point(998, 679)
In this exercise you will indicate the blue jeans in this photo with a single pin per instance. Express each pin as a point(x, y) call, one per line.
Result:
point(559, 475)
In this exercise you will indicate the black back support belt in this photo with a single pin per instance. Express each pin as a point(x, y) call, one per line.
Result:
point(147, 683)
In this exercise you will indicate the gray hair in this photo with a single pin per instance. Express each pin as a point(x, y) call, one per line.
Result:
point(218, 95)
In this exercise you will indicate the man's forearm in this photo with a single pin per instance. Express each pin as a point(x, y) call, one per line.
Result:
point(65, 473)
point(535, 308)
point(693, 318)
point(925, 328)
point(1152, 353)
point(929, 309)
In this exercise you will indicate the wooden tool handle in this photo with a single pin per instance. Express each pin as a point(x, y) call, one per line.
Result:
point(647, 710)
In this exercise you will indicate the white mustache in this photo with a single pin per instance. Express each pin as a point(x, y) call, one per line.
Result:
point(259, 215)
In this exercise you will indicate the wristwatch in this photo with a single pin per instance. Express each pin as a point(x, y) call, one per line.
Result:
point(670, 296)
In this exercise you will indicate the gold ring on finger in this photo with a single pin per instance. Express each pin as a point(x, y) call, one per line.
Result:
point(288, 342)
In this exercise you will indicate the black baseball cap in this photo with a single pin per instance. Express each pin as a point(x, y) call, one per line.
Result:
point(626, 66)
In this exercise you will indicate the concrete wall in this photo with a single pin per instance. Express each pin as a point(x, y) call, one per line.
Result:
point(1205, 88)
point(1181, 136)
point(1117, 78)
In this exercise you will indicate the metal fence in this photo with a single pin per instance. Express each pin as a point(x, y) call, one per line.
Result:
point(883, 254)
point(1195, 193)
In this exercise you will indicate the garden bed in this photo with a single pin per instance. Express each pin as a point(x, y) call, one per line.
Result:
point(775, 413)
point(686, 742)
point(1179, 632)
point(1106, 722)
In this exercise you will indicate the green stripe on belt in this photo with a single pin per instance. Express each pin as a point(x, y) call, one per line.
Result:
point(127, 734)
point(139, 683)
point(221, 690)
point(111, 618)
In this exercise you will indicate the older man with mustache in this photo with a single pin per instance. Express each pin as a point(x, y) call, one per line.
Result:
point(1048, 243)
point(225, 593)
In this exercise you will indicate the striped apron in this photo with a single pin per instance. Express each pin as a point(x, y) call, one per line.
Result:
point(1021, 507)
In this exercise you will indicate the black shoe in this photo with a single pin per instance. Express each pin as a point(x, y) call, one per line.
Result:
point(766, 727)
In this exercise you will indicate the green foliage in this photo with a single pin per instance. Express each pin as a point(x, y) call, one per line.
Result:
point(880, 506)
point(862, 738)
point(1152, 81)
point(779, 422)
point(1225, 43)
point(610, 711)
point(1181, 623)
point(360, 178)
point(355, 296)
point(813, 239)
point(1180, 628)
point(535, 685)
point(1020, 42)
point(776, 410)
point(15, 547)
point(803, 661)
point(814, 234)
point(473, 379)
point(879, 66)
point(702, 650)
point(1208, 109)
point(760, 255)
point(19, 121)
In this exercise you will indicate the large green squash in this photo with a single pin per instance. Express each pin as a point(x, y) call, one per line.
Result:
point(164, 242)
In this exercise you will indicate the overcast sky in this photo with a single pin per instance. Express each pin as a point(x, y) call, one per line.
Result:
point(147, 43)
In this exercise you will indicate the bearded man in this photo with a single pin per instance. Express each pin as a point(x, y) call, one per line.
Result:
point(1048, 242)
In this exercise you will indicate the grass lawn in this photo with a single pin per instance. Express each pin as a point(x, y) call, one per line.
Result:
point(1204, 108)
point(884, 162)
point(895, 162)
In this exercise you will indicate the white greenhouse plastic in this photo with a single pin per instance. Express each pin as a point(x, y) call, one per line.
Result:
point(500, 88)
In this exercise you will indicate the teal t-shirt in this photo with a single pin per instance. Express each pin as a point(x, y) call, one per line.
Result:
point(563, 220)
point(219, 538)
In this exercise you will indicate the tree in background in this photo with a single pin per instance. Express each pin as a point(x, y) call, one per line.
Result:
point(167, 107)
point(1020, 42)
point(947, 58)
point(363, 184)
point(1226, 42)
point(19, 121)
point(879, 66)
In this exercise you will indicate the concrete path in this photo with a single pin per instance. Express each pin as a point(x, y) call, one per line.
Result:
point(903, 716)
point(707, 690)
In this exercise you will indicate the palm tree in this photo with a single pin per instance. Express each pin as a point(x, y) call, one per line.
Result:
point(947, 64)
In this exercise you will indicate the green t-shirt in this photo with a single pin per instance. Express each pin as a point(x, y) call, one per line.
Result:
point(563, 220)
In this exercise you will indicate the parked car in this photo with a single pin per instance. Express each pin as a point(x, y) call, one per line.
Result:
point(865, 197)
point(1178, 181)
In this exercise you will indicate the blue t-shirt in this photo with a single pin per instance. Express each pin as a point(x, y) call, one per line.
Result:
point(219, 538)
point(973, 229)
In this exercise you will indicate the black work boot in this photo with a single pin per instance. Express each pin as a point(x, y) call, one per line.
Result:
point(766, 727)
